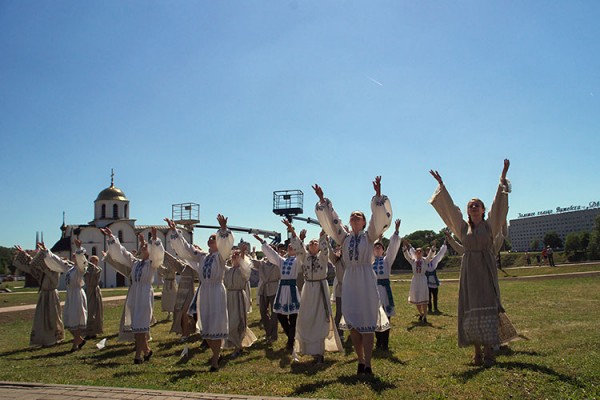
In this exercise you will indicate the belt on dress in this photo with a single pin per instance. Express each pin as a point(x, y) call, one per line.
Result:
point(388, 290)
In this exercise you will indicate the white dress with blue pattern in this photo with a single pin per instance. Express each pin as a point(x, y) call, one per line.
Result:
point(75, 311)
point(212, 297)
point(140, 299)
point(361, 306)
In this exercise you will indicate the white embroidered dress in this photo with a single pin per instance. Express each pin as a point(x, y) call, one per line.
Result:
point(315, 328)
point(140, 299)
point(212, 298)
point(361, 306)
point(419, 289)
point(75, 311)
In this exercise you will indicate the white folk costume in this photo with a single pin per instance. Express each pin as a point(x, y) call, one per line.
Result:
point(361, 306)
point(75, 311)
point(432, 280)
point(382, 268)
point(212, 298)
point(479, 294)
point(140, 300)
point(185, 290)
point(419, 290)
point(235, 280)
point(287, 299)
point(315, 329)
point(125, 333)
point(268, 282)
point(93, 294)
point(48, 328)
point(169, 289)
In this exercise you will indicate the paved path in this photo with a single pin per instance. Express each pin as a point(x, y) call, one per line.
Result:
point(34, 391)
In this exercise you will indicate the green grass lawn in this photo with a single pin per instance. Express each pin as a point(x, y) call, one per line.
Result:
point(30, 296)
point(558, 357)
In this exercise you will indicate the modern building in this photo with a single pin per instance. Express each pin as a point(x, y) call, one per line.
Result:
point(111, 209)
point(535, 225)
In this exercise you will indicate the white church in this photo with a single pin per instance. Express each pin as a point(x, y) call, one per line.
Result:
point(111, 209)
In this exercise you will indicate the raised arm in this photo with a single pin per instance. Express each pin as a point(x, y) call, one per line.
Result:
point(224, 238)
point(117, 252)
point(156, 250)
point(394, 245)
point(328, 217)
point(454, 244)
point(381, 213)
point(444, 205)
point(81, 261)
point(182, 248)
point(499, 209)
point(431, 266)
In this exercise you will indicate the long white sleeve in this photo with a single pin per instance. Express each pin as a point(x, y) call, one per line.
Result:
point(157, 253)
point(272, 255)
point(431, 266)
point(55, 263)
point(80, 260)
point(119, 253)
point(381, 217)
point(185, 250)
point(224, 243)
point(330, 221)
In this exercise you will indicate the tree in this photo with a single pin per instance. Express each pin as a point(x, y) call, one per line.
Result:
point(534, 245)
point(593, 248)
point(553, 240)
point(573, 246)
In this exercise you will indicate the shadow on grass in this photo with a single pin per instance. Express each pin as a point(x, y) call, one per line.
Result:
point(387, 355)
point(308, 366)
point(129, 373)
point(376, 384)
point(467, 375)
point(421, 324)
point(175, 376)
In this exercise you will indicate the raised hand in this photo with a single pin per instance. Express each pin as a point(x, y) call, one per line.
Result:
point(106, 231)
point(222, 221)
point(258, 238)
point(141, 240)
point(77, 243)
point(171, 224)
point(41, 246)
point(319, 192)
point(302, 235)
point(19, 248)
point(397, 224)
point(153, 233)
point(243, 249)
point(377, 186)
point(505, 169)
point(437, 176)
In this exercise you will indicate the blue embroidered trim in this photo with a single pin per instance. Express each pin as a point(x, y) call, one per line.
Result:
point(207, 267)
point(354, 242)
point(378, 266)
point(286, 269)
point(138, 270)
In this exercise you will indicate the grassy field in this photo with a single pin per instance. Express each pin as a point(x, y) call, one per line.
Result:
point(558, 357)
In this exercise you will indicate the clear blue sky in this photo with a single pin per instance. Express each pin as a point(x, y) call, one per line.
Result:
point(221, 103)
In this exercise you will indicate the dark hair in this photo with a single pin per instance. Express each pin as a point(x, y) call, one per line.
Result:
point(379, 244)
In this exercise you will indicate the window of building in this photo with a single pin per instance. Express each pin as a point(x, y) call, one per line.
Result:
point(103, 213)
point(115, 211)
point(120, 236)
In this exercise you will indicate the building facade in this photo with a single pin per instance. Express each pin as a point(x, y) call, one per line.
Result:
point(534, 226)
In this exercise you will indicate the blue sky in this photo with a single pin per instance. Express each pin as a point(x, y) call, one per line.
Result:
point(221, 103)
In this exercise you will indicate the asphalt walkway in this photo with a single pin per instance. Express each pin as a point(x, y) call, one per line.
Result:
point(35, 391)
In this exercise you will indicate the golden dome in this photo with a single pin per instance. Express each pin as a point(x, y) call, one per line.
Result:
point(112, 193)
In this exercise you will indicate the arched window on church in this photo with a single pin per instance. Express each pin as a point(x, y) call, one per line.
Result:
point(120, 236)
point(115, 211)
point(103, 213)
point(94, 251)
point(126, 214)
